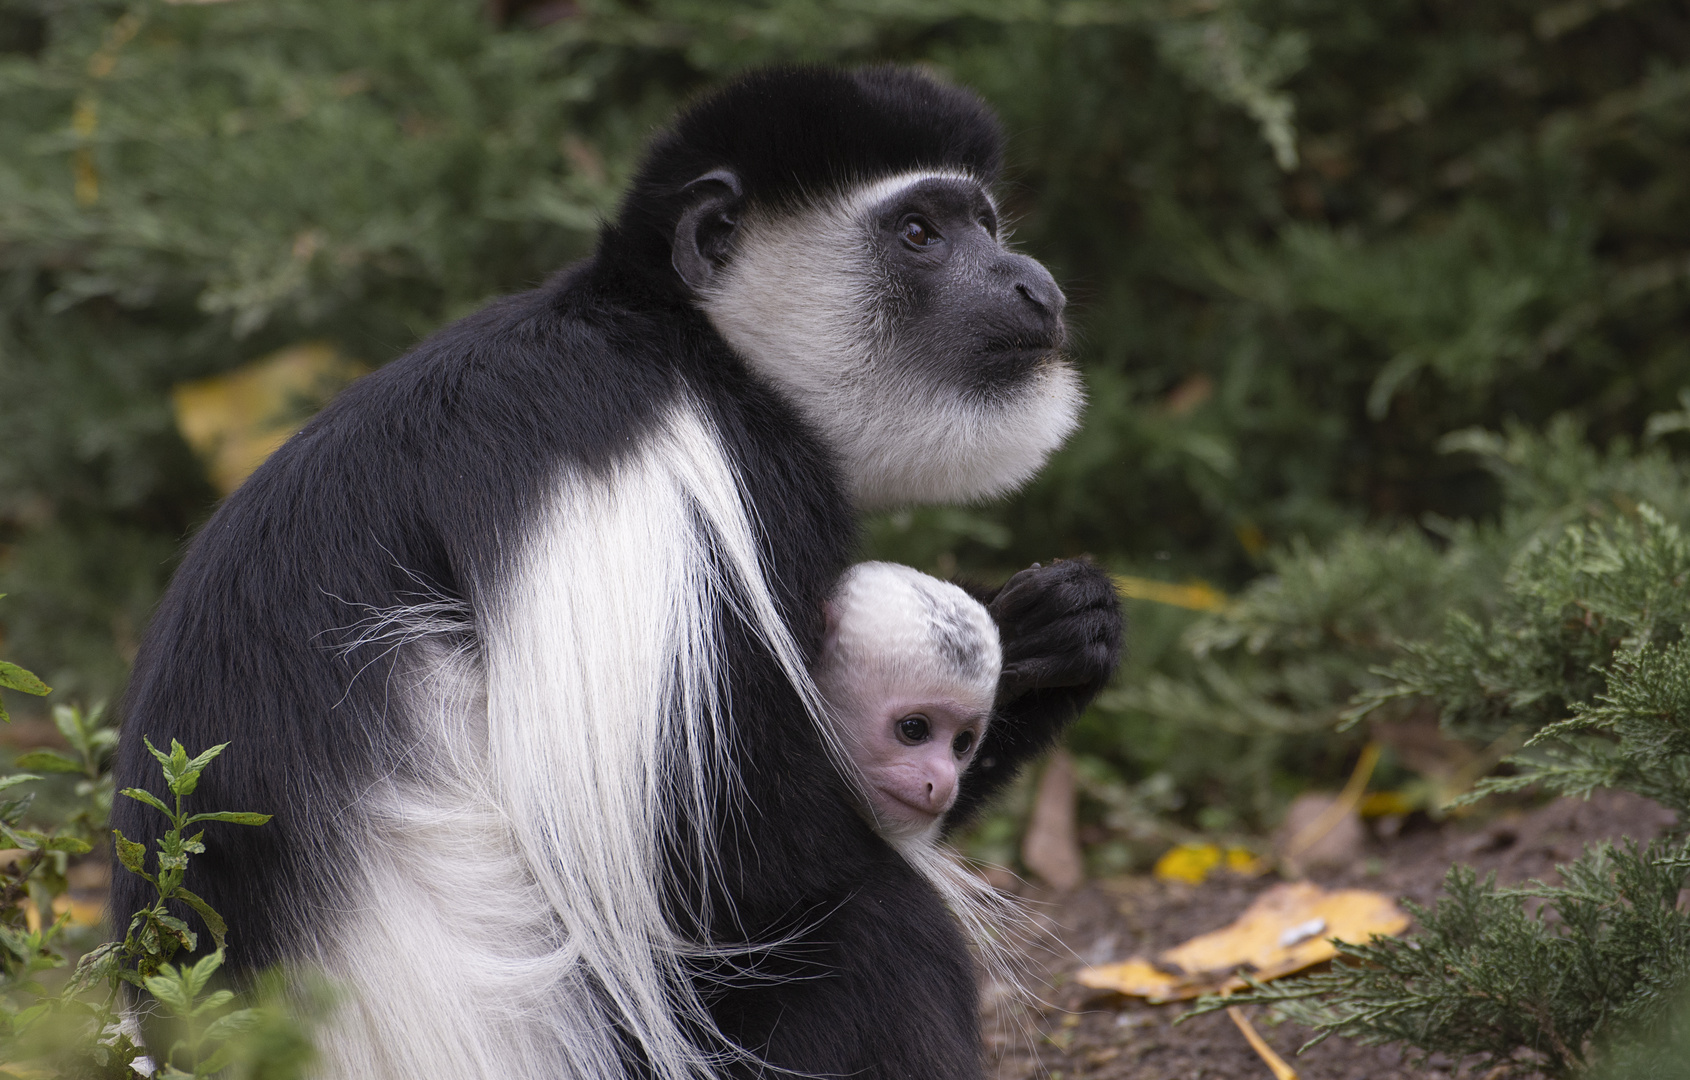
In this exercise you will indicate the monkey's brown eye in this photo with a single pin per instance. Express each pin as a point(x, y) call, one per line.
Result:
point(914, 729)
point(918, 233)
point(963, 743)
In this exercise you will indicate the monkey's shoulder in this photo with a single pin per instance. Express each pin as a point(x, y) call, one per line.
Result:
point(555, 369)
point(457, 444)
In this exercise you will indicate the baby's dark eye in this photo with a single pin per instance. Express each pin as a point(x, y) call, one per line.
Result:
point(914, 729)
point(963, 743)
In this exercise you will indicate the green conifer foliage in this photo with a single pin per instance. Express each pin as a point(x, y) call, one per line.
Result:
point(1305, 241)
point(1582, 652)
point(1597, 990)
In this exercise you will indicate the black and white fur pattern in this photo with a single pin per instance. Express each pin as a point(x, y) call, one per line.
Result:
point(894, 627)
point(513, 639)
point(840, 353)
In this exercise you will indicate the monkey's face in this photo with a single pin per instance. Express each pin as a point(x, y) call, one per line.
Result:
point(911, 754)
point(923, 350)
point(968, 313)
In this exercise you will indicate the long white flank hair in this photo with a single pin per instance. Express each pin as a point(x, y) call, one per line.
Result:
point(512, 925)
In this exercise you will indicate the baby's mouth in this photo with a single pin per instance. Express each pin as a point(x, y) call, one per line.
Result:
point(918, 811)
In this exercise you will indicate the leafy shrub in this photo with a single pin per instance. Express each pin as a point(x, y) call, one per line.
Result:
point(77, 1027)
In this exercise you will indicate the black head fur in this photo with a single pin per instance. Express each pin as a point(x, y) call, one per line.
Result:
point(791, 134)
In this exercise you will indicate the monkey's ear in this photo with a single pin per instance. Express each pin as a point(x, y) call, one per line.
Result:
point(706, 227)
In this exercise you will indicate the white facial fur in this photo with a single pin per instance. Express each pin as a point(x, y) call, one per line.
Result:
point(804, 301)
point(901, 647)
point(911, 782)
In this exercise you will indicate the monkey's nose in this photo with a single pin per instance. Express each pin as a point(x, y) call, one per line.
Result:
point(1039, 302)
point(1040, 289)
point(940, 793)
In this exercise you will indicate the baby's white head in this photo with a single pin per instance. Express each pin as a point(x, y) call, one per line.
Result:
point(909, 669)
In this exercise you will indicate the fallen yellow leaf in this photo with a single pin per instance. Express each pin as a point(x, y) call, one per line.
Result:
point(235, 420)
point(1193, 863)
point(1286, 929)
point(1246, 862)
point(1140, 978)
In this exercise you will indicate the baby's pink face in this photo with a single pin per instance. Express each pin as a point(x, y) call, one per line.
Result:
point(912, 753)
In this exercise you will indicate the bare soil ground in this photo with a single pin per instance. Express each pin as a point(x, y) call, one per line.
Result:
point(1076, 1033)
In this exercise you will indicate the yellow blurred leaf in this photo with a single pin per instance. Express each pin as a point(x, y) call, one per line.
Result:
point(1188, 862)
point(1198, 595)
point(1193, 863)
point(236, 420)
point(1250, 538)
point(1284, 931)
point(1245, 862)
point(82, 912)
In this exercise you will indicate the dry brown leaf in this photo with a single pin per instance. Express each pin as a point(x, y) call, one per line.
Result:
point(1050, 849)
point(1285, 930)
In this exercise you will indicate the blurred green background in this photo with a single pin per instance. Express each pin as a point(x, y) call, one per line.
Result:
point(1368, 295)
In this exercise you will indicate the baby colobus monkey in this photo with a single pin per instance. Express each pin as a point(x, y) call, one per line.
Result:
point(908, 668)
point(908, 671)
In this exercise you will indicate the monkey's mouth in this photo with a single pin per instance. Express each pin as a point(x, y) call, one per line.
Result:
point(1010, 360)
point(922, 813)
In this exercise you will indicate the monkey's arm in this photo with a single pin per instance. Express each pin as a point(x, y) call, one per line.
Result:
point(1061, 631)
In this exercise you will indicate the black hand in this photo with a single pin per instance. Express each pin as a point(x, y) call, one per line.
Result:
point(1060, 626)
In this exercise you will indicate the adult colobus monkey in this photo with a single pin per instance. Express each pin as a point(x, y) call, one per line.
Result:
point(513, 637)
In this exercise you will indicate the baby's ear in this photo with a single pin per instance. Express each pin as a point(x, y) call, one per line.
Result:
point(830, 622)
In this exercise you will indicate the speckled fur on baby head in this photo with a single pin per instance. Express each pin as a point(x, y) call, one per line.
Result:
point(892, 627)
